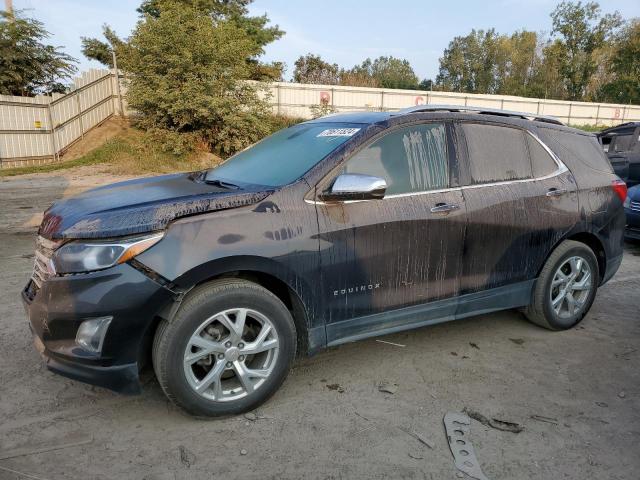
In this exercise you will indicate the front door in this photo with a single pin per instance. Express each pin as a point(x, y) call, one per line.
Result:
point(379, 256)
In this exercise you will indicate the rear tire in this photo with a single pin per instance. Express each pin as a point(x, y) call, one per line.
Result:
point(566, 287)
point(227, 350)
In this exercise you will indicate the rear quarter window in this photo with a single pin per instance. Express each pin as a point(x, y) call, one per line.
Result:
point(575, 149)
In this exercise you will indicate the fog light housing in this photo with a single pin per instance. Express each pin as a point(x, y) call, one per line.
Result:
point(91, 333)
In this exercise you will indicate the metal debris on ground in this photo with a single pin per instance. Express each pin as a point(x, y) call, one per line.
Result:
point(458, 427)
point(496, 423)
point(74, 439)
point(474, 345)
point(243, 452)
point(418, 437)
point(335, 386)
point(388, 387)
point(517, 341)
point(391, 343)
point(541, 418)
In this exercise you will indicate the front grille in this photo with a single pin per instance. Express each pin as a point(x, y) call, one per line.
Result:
point(635, 206)
point(43, 266)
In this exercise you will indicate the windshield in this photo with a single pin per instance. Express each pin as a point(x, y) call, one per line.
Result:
point(284, 156)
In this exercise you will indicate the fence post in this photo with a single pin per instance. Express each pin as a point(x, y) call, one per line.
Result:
point(538, 108)
point(278, 97)
point(79, 113)
point(569, 117)
point(54, 143)
point(117, 75)
point(597, 114)
point(465, 100)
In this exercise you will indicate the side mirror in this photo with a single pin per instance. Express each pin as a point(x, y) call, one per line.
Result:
point(355, 186)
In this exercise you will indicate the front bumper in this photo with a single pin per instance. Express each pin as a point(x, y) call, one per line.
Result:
point(56, 310)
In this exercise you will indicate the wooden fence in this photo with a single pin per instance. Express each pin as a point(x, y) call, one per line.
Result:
point(39, 129)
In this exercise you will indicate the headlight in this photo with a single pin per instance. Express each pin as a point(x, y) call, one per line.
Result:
point(86, 256)
point(627, 202)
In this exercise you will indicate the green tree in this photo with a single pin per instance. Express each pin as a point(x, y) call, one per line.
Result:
point(186, 75)
point(95, 49)
point(257, 30)
point(624, 87)
point(469, 63)
point(580, 30)
point(389, 72)
point(29, 66)
point(358, 76)
point(312, 68)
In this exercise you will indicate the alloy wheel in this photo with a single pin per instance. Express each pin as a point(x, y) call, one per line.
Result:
point(570, 287)
point(231, 354)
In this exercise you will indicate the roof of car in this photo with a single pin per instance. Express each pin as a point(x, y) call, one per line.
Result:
point(621, 126)
point(459, 110)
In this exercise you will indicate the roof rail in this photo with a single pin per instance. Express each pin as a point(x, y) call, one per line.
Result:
point(481, 110)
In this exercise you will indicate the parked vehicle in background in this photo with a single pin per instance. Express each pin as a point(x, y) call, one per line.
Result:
point(330, 231)
point(622, 146)
point(632, 212)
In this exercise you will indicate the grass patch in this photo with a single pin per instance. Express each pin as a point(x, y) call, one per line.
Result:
point(128, 153)
point(589, 128)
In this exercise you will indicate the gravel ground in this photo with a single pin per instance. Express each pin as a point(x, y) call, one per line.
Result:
point(329, 420)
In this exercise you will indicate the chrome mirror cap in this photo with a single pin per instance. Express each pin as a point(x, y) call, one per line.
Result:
point(356, 186)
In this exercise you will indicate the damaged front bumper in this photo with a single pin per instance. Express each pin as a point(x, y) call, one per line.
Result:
point(61, 304)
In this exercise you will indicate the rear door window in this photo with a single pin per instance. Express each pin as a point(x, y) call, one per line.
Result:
point(542, 163)
point(496, 153)
point(410, 159)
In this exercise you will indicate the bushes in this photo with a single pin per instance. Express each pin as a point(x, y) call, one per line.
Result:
point(186, 77)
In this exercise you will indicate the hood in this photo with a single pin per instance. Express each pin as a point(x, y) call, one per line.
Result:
point(140, 206)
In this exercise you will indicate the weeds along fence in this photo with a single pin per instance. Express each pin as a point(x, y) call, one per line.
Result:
point(35, 130)
point(40, 129)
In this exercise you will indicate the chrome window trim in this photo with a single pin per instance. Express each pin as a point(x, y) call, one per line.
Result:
point(562, 168)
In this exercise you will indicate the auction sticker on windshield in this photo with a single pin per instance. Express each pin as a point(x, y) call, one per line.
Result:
point(338, 132)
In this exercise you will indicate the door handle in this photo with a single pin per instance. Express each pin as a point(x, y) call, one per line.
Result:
point(556, 192)
point(444, 208)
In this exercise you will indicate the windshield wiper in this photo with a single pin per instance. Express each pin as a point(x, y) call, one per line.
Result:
point(222, 184)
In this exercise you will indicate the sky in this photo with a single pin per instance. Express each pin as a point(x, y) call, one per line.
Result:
point(341, 31)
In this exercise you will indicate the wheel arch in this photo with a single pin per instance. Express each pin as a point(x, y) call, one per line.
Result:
point(591, 240)
point(271, 275)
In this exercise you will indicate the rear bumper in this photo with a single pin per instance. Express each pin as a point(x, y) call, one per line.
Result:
point(63, 303)
point(632, 232)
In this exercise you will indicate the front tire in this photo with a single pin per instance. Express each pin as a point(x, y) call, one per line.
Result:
point(227, 350)
point(566, 287)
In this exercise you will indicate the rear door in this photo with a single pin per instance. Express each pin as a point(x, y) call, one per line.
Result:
point(516, 210)
point(406, 249)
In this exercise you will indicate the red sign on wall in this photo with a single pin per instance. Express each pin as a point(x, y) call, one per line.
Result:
point(325, 97)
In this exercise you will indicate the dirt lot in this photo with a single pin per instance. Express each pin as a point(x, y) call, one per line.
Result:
point(330, 421)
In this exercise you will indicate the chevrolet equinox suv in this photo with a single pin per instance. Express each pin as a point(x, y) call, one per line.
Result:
point(333, 230)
